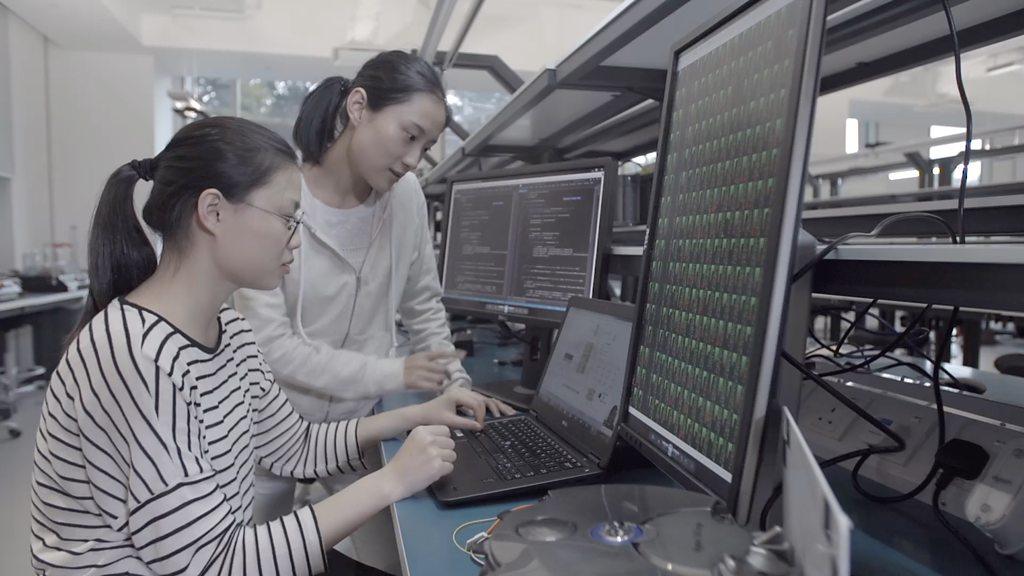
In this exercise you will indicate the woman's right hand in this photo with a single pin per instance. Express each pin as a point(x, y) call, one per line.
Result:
point(427, 370)
point(427, 454)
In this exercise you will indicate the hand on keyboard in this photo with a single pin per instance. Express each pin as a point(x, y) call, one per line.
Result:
point(427, 454)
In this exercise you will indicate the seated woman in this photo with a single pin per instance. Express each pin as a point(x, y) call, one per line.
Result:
point(162, 405)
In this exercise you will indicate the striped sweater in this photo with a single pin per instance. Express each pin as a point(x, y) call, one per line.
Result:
point(145, 453)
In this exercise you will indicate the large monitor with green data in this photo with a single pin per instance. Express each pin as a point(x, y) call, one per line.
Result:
point(732, 155)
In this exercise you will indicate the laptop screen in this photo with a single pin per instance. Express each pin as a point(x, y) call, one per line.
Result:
point(581, 391)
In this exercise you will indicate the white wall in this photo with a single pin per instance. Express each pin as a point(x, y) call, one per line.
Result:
point(101, 116)
point(6, 209)
point(163, 116)
point(29, 185)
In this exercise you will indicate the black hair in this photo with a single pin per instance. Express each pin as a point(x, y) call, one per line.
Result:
point(391, 77)
point(231, 155)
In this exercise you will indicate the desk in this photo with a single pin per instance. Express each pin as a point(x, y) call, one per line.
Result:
point(30, 303)
point(423, 527)
point(901, 540)
point(51, 325)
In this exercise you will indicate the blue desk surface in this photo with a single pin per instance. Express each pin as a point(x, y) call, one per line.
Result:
point(423, 527)
point(902, 540)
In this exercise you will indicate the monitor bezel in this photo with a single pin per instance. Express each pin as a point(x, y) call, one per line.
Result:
point(738, 497)
point(538, 317)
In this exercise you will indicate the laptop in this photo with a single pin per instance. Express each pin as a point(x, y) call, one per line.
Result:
point(569, 433)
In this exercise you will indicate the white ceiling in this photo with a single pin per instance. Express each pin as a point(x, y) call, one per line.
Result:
point(220, 30)
point(213, 6)
point(87, 24)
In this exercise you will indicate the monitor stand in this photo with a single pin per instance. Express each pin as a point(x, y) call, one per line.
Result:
point(520, 393)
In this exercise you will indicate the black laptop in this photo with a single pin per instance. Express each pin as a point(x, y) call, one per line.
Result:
point(569, 434)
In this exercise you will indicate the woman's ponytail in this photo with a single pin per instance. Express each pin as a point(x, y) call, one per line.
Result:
point(321, 118)
point(120, 255)
point(231, 155)
point(389, 78)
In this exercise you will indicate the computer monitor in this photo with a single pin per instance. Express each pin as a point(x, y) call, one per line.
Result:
point(519, 243)
point(725, 214)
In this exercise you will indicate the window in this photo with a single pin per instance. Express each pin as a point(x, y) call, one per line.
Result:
point(852, 136)
point(471, 110)
point(216, 95)
point(272, 103)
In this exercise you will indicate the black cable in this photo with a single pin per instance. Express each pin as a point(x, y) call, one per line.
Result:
point(873, 233)
point(917, 349)
point(937, 388)
point(934, 377)
point(886, 349)
point(940, 416)
point(940, 486)
point(830, 359)
point(507, 331)
point(864, 453)
point(903, 497)
point(898, 443)
point(853, 324)
point(968, 118)
point(821, 345)
point(896, 361)
point(892, 330)
point(818, 341)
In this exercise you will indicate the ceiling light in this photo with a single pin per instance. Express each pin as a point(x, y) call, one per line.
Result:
point(903, 174)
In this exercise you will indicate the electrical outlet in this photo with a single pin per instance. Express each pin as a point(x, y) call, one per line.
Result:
point(915, 424)
point(826, 416)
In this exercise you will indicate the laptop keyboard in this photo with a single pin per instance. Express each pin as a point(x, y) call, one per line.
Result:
point(518, 448)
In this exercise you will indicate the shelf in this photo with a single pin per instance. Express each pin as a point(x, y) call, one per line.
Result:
point(603, 99)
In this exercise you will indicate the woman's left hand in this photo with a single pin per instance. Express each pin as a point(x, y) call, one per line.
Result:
point(497, 407)
point(494, 406)
point(445, 410)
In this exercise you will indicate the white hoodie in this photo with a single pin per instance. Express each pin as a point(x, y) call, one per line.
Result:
point(329, 334)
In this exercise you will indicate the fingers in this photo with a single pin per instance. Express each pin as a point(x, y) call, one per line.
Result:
point(431, 368)
point(429, 371)
point(479, 407)
point(465, 423)
point(498, 408)
point(446, 456)
point(470, 402)
point(425, 380)
point(425, 383)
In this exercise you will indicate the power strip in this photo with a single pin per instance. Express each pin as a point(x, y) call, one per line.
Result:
point(907, 406)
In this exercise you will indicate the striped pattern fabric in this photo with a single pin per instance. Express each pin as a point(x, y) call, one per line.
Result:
point(146, 449)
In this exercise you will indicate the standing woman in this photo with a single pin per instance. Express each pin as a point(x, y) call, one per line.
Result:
point(329, 331)
point(162, 405)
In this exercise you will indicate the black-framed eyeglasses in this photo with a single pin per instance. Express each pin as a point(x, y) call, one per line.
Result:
point(291, 222)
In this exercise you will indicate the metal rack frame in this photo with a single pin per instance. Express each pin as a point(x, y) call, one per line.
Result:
point(603, 98)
